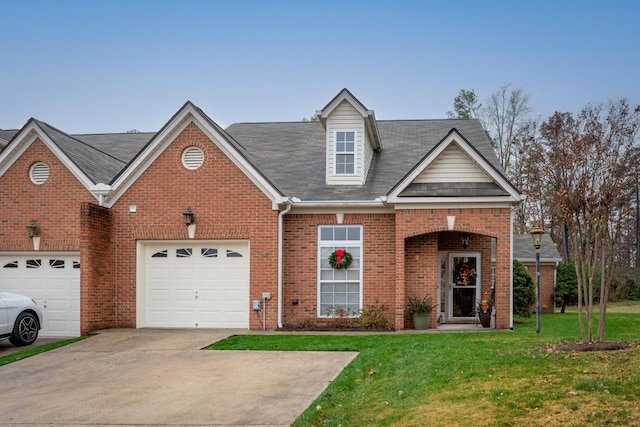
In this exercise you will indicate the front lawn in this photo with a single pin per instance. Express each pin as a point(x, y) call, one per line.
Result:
point(480, 379)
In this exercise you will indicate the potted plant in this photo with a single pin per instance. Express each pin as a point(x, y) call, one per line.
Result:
point(420, 310)
point(484, 308)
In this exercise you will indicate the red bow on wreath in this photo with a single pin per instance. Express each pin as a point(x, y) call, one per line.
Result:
point(339, 255)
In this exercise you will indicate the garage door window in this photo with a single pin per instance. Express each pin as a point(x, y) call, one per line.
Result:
point(34, 263)
point(13, 264)
point(233, 254)
point(209, 252)
point(184, 252)
point(340, 290)
point(56, 263)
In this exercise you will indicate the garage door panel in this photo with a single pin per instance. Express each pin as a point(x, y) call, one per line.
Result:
point(207, 288)
point(53, 281)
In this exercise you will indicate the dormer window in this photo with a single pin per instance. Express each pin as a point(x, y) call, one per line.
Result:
point(345, 152)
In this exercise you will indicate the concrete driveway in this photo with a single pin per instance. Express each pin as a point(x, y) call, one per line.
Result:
point(161, 377)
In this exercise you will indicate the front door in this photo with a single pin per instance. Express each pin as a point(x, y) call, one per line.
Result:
point(459, 285)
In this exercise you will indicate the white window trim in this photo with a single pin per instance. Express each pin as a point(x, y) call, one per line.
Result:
point(335, 152)
point(338, 243)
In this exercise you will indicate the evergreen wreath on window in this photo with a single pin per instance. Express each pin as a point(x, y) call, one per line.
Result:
point(340, 259)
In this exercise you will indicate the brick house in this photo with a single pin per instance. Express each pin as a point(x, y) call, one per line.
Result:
point(550, 257)
point(199, 226)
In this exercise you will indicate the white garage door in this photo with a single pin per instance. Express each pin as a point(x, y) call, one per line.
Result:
point(195, 285)
point(53, 281)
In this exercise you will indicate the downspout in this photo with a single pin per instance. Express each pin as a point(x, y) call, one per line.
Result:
point(511, 271)
point(280, 236)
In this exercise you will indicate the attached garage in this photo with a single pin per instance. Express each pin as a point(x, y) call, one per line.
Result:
point(53, 281)
point(193, 284)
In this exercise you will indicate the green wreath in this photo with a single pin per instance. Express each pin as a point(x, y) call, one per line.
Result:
point(345, 262)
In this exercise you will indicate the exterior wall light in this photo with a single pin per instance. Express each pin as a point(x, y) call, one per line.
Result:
point(189, 217)
point(32, 229)
point(464, 238)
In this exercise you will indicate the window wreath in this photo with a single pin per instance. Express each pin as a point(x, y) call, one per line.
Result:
point(340, 259)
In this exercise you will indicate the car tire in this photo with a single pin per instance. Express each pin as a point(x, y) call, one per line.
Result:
point(25, 330)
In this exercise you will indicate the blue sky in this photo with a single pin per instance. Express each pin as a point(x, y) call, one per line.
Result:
point(111, 66)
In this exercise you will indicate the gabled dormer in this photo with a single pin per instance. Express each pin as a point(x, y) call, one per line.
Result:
point(454, 171)
point(351, 139)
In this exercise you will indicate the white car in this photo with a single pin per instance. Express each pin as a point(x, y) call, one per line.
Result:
point(20, 319)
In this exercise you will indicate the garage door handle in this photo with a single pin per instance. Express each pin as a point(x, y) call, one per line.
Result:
point(196, 294)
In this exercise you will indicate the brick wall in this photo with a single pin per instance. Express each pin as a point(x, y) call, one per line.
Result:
point(226, 203)
point(300, 254)
point(97, 293)
point(547, 285)
point(55, 204)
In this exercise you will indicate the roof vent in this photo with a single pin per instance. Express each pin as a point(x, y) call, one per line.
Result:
point(192, 158)
point(39, 173)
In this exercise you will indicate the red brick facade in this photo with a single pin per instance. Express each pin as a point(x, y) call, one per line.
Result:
point(226, 203)
point(55, 204)
point(400, 248)
point(547, 285)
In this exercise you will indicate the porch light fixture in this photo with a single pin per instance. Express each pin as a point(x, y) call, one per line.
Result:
point(536, 234)
point(464, 238)
point(32, 229)
point(189, 217)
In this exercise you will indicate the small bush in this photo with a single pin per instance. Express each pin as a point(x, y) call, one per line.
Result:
point(372, 317)
point(524, 290)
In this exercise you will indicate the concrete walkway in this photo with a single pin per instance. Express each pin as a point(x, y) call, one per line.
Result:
point(129, 377)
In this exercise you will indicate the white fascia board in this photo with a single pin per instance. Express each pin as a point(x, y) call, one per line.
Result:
point(338, 204)
point(441, 203)
point(344, 95)
point(168, 135)
point(341, 207)
point(24, 141)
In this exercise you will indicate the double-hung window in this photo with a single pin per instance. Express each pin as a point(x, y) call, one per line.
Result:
point(339, 290)
point(345, 152)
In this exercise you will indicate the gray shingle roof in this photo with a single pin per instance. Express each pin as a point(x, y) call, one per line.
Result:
point(524, 251)
point(97, 165)
point(5, 136)
point(294, 155)
point(291, 155)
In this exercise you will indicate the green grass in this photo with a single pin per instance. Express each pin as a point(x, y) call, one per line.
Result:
point(480, 379)
point(32, 351)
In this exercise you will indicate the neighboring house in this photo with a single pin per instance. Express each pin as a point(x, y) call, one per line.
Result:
point(524, 251)
point(418, 204)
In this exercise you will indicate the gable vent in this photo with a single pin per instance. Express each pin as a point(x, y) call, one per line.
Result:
point(192, 158)
point(39, 173)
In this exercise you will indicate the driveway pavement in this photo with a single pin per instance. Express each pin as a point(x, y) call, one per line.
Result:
point(129, 377)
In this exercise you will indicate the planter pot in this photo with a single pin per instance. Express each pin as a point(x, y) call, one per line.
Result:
point(421, 320)
point(485, 318)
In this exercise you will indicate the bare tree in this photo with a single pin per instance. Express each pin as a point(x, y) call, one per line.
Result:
point(586, 172)
point(506, 110)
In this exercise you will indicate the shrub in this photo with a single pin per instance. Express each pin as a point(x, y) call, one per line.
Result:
point(566, 292)
point(524, 290)
point(372, 317)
